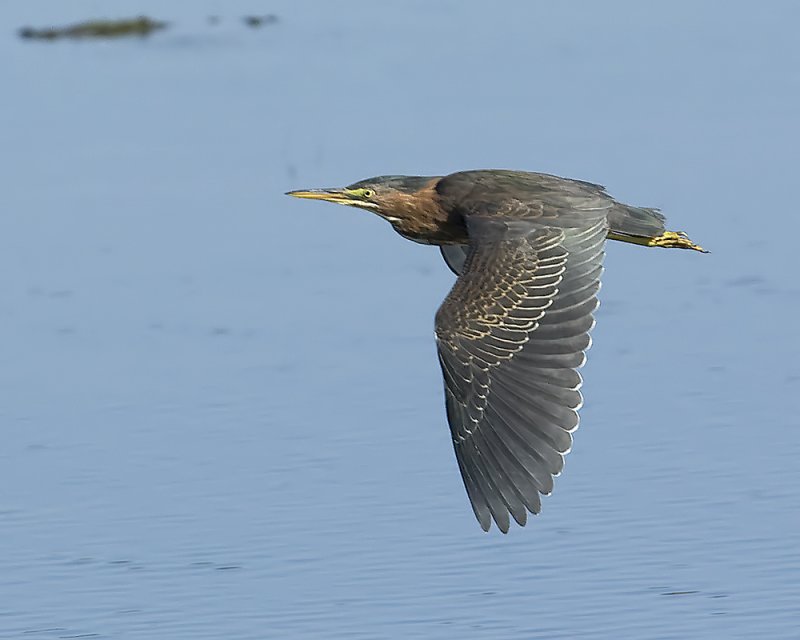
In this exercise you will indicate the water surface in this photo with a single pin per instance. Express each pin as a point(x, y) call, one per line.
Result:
point(222, 411)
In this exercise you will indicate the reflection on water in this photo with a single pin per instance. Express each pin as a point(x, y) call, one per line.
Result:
point(223, 412)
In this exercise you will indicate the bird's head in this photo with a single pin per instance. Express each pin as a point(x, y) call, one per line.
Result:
point(390, 197)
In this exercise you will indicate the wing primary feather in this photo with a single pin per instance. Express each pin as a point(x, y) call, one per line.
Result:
point(500, 474)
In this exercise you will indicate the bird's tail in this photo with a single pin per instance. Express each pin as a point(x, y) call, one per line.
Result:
point(640, 225)
point(636, 221)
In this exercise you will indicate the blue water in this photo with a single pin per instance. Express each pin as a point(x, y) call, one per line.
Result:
point(221, 410)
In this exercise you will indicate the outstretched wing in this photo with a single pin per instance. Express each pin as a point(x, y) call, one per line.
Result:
point(511, 335)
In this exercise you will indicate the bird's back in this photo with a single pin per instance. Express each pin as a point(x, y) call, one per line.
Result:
point(519, 194)
point(562, 202)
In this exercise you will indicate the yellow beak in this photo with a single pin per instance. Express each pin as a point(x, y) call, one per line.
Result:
point(329, 195)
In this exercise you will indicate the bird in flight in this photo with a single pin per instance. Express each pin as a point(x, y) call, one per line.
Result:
point(513, 331)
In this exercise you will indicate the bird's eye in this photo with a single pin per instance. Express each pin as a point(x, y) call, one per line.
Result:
point(367, 193)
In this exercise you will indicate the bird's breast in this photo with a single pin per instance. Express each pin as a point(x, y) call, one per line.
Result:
point(432, 232)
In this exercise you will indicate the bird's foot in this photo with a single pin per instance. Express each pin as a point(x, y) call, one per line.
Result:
point(675, 240)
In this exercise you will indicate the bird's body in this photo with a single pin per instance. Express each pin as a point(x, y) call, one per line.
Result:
point(511, 334)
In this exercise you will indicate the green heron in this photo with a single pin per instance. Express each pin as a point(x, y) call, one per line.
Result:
point(513, 331)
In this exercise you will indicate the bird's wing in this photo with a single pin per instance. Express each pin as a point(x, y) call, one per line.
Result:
point(511, 335)
point(455, 255)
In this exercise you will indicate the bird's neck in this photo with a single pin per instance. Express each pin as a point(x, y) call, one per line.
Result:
point(420, 217)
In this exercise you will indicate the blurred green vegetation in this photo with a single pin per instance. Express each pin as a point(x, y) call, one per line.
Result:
point(141, 26)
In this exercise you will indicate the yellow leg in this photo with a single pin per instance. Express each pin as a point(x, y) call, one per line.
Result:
point(668, 239)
